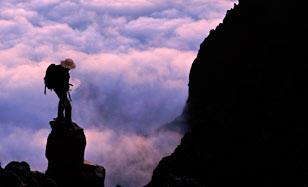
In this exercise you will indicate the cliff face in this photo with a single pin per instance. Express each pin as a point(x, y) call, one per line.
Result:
point(247, 105)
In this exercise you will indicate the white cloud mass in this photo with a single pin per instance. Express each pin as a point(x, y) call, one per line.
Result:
point(133, 59)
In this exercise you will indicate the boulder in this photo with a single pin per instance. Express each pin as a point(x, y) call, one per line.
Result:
point(93, 175)
point(18, 174)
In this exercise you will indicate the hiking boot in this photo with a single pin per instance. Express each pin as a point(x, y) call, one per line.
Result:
point(57, 119)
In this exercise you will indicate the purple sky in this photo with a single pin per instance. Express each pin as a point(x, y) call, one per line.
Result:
point(133, 58)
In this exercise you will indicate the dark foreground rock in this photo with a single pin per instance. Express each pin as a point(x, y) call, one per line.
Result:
point(248, 103)
point(18, 174)
point(66, 167)
point(65, 153)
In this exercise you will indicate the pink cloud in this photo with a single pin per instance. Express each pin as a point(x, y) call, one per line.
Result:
point(134, 156)
point(133, 60)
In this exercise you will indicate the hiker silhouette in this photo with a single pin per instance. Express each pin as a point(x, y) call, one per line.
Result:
point(57, 79)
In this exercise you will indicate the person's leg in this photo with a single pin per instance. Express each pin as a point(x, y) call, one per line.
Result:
point(64, 105)
point(60, 105)
point(68, 109)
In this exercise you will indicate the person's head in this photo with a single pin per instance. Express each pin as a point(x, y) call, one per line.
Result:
point(68, 63)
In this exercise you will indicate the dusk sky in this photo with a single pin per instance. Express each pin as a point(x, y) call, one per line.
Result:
point(133, 59)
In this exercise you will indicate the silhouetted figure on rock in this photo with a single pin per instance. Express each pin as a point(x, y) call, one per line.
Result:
point(66, 142)
point(57, 79)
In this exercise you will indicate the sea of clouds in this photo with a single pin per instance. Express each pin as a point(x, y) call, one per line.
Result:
point(133, 59)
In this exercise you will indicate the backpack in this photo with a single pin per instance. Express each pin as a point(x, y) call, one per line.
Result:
point(50, 78)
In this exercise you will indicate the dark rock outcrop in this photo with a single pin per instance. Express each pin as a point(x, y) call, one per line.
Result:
point(65, 153)
point(66, 167)
point(18, 174)
point(247, 105)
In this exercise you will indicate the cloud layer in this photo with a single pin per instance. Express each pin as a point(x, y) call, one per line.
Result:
point(133, 59)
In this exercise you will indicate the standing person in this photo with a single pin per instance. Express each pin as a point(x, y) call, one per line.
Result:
point(57, 78)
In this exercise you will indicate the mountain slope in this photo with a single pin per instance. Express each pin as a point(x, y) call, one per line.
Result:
point(248, 102)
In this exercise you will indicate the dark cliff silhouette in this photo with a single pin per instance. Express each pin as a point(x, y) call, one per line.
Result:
point(248, 103)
